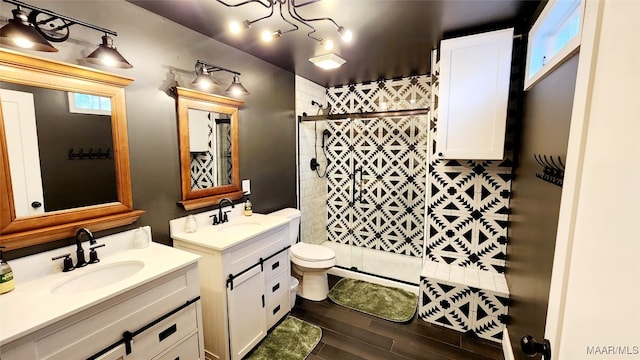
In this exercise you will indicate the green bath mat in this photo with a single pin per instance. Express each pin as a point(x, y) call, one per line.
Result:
point(293, 339)
point(385, 302)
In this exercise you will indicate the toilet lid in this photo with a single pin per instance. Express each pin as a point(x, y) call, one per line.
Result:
point(312, 252)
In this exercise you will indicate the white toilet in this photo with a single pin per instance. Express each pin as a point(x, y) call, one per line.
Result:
point(310, 262)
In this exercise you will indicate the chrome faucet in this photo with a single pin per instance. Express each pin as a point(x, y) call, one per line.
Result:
point(80, 251)
point(222, 216)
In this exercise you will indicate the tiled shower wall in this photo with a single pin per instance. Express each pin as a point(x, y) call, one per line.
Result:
point(312, 189)
point(388, 211)
point(467, 206)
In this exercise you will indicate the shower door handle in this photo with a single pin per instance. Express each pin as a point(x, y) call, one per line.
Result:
point(359, 183)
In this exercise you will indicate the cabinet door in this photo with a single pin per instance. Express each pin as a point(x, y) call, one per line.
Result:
point(475, 75)
point(247, 318)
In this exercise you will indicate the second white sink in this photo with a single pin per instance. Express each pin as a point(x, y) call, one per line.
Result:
point(242, 225)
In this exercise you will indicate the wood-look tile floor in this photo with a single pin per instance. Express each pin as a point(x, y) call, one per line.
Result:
point(349, 334)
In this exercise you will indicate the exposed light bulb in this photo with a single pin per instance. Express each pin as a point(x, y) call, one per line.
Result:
point(235, 27)
point(23, 42)
point(345, 34)
point(327, 44)
point(267, 35)
point(108, 60)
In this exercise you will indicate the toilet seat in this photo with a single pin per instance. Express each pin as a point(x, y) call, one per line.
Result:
point(311, 252)
point(312, 256)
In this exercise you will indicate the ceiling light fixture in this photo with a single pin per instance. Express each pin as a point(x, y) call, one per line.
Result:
point(293, 15)
point(35, 30)
point(205, 82)
point(328, 61)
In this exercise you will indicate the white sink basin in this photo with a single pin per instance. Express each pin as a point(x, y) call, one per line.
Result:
point(100, 276)
point(235, 226)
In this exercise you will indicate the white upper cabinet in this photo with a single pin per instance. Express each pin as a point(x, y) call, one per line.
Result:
point(475, 75)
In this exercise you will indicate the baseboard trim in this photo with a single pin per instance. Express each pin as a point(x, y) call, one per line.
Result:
point(507, 350)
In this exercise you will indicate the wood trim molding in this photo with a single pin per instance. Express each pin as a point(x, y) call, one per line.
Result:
point(190, 99)
point(17, 232)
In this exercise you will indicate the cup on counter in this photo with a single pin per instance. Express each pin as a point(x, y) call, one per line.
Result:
point(190, 224)
point(140, 238)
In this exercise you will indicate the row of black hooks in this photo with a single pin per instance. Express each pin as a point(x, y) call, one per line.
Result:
point(552, 169)
point(90, 155)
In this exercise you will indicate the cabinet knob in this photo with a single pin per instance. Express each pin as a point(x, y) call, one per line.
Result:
point(440, 154)
point(36, 204)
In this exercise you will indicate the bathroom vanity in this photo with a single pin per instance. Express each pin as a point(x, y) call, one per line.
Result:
point(136, 303)
point(244, 278)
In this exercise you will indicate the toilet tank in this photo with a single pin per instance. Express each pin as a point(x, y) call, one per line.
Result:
point(294, 222)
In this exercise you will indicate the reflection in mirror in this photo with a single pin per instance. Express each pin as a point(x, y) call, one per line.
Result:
point(210, 148)
point(208, 135)
point(64, 159)
point(60, 148)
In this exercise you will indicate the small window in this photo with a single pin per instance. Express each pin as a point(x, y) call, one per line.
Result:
point(89, 104)
point(553, 38)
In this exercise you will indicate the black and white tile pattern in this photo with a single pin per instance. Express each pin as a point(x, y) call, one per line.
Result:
point(203, 164)
point(463, 308)
point(467, 221)
point(385, 211)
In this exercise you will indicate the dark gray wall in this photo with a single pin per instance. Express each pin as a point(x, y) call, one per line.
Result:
point(535, 204)
point(163, 54)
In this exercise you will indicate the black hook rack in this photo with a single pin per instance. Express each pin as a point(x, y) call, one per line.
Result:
point(552, 172)
point(91, 155)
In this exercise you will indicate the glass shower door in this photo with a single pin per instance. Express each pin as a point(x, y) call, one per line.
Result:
point(376, 188)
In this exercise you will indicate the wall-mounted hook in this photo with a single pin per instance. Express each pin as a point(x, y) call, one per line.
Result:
point(552, 172)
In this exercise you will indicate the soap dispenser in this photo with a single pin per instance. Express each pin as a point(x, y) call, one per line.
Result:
point(6, 275)
point(248, 207)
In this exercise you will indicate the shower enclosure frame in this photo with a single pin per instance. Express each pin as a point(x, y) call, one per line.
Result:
point(361, 181)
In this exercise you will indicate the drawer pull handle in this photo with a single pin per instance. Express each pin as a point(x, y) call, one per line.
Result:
point(275, 287)
point(276, 309)
point(167, 332)
point(275, 265)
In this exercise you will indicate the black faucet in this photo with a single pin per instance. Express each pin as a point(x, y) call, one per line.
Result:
point(80, 251)
point(223, 216)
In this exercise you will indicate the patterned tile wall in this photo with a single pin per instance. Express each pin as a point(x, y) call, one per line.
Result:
point(388, 211)
point(464, 308)
point(396, 94)
point(204, 163)
point(468, 206)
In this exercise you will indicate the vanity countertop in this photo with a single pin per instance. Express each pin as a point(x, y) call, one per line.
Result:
point(32, 305)
point(224, 236)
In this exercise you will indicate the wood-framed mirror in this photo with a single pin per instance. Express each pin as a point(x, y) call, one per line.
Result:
point(64, 165)
point(208, 140)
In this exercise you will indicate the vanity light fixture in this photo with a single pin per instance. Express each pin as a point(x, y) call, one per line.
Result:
point(236, 88)
point(328, 61)
point(293, 15)
point(35, 30)
point(107, 55)
point(21, 33)
point(205, 82)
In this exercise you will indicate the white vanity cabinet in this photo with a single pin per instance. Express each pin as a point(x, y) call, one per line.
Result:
point(163, 317)
point(244, 281)
point(475, 75)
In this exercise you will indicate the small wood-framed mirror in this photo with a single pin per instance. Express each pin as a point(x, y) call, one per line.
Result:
point(208, 140)
point(80, 176)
